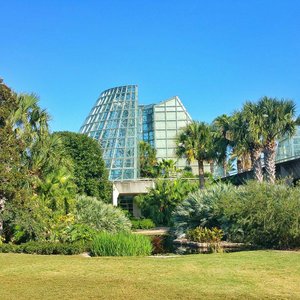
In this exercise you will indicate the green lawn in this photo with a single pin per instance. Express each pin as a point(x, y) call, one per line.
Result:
point(243, 275)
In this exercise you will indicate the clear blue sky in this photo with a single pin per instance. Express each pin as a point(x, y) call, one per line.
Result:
point(213, 54)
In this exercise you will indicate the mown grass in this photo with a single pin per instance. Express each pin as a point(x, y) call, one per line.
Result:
point(243, 275)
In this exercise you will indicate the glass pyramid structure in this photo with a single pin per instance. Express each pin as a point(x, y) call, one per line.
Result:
point(119, 124)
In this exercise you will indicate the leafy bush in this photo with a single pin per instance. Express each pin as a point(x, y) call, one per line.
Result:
point(46, 248)
point(205, 235)
point(120, 244)
point(266, 215)
point(101, 216)
point(200, 209)
point(142, 224)
point(162, 200)
point(76, 232)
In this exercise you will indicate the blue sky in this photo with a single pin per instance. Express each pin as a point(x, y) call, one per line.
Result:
point(213, 54)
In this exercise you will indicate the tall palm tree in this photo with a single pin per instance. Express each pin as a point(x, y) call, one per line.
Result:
point(221, 142)
point(195, 143)
point(278, 120)
point(246, 133)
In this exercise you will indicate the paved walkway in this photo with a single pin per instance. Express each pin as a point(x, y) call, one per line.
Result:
point(154, 231)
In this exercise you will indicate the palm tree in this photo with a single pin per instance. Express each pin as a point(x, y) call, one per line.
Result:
point(148, 161)
point(221, 142)
point(195, 143)
point(166, 168)
point(278, 120)
point(246, 133)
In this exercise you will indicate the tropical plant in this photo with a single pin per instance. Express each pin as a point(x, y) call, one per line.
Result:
point(200, 209)
point(205, 235)
point(148, 161)
point(166, 168)
point(221, 142)
point(278, 120)
point(246, 133)
point(162, 200)
point(195, 143)
point(100, 216)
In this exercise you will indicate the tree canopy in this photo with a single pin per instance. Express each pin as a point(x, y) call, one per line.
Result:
point(90, 174)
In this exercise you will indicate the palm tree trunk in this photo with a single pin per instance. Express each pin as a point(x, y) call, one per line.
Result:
point(225, 167)
point(201, 174)
point(212, 167)
point(2, 203)
point(269, 159)
point(256, 163)
point(239, 165)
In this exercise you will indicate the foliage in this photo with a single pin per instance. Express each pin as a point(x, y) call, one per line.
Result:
point(200, 209)
point(161, 200)
point(46, 248)
point(77, 232)
point(90, 174)
point(267, 215)
point(100, 216)
point(166, 168)
point(205, 235)
point(142, 224)
point(120, 244)
point(278, 121)
point(195, 143)
point(148, 161)
point(12, 170)
point(258, 213)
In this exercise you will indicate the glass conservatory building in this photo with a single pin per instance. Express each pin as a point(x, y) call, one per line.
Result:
point(119, 124)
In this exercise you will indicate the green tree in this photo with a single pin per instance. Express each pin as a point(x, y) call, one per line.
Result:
point(221, 142)
point(90, 174)
point(12, 170)
point(195, 143)
point(246, 134)
point(278, 120)
point(148, 160)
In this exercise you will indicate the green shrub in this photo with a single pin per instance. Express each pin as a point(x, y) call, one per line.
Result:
point(142, 224)
point(77, 232)
point(205, 235)
point(45, 248)
point(120, 244)
point(10, 248)
point(162, 200)
point(262, 214)
point(201, 209)
point(101, 216)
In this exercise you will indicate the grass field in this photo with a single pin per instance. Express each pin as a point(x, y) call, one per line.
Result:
point(243, 275)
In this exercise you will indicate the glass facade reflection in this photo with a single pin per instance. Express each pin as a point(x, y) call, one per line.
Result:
point(119, 123)
point(289, 147)
point(113, 121)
